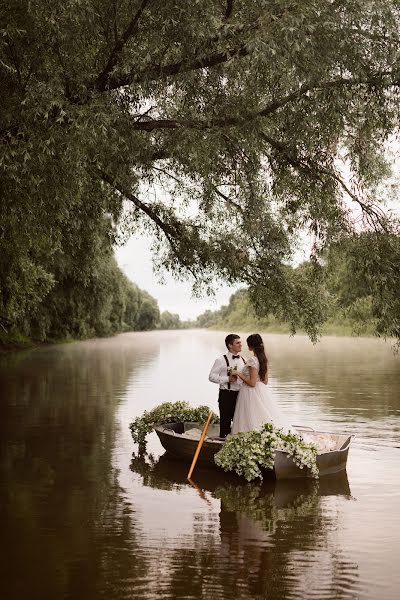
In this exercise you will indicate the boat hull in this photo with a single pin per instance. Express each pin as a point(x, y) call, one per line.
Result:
point(175, 443)
point(185, 448)
point(328, 463)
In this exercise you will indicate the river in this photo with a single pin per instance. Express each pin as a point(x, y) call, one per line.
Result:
point(84, 517)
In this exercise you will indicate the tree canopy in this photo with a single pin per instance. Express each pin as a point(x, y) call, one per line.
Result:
point(225, 129)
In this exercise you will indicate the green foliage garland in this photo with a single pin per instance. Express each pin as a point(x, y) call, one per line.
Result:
point(249, 452)
point(168, 412)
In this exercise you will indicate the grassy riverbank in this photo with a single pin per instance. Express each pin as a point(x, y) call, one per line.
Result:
point(14, 342)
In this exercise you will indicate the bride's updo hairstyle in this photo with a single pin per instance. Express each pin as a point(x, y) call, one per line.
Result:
point(255, 343)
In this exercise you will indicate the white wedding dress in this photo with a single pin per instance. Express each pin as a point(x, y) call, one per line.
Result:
point(256, 406)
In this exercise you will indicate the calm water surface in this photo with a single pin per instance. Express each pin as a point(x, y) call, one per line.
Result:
point(83, 517)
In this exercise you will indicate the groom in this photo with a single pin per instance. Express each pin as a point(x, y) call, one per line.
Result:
point(229, 384)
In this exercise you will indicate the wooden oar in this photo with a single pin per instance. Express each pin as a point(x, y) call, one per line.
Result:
point(199, 490)
point(199, 445)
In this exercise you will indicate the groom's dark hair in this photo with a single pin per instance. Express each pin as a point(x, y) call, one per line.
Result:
point(230, 339)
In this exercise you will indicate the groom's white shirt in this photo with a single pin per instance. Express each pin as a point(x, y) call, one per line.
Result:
point(219, 375)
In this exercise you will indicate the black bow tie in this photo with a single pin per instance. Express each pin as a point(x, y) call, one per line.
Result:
point(236, 356)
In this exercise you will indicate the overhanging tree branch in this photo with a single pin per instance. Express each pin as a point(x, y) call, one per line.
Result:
point(213, 59)
point(214, 188)
point(229, 121)
point(182, 66)
point(107, 82)
point(168, 231)
point(228, 10)
point(172, 234)
point(239, 50)
point(228, 200)
point(312, 167)
point(103, 77)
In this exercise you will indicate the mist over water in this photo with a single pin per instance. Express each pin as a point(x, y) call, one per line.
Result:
point(85, 517)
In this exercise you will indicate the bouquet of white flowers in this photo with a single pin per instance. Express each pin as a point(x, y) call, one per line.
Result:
point(249, 452)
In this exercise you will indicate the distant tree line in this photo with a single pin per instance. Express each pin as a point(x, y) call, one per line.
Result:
point(172, 321)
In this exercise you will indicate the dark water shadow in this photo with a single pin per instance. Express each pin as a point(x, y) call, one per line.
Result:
point(67, 530)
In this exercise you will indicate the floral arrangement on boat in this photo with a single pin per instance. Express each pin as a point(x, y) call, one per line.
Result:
point(250, 452)
point(168, 412)
point(247, 453)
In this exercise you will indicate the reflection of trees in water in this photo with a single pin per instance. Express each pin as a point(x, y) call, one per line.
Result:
point(255, 503)
point(271, 538)
point(66, 529)
point(145, 465)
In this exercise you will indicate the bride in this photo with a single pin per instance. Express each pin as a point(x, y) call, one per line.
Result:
point(255, 405)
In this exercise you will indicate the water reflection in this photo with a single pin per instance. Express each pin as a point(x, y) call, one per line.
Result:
point(66, 531)
point(168, 473)
point(271, 539)
point(326, 373)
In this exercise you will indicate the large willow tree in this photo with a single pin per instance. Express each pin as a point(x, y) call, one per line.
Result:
point(229, 128)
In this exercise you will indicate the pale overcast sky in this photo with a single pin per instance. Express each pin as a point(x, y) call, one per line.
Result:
point(135, 259)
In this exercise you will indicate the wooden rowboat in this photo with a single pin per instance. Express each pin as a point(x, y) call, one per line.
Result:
point(181, 439)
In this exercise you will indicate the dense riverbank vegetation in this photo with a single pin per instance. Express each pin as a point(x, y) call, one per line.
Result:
point(74, 295)
point(213, 126)
point(75, 291)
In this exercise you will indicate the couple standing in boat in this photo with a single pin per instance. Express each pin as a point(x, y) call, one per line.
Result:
point(244, 400)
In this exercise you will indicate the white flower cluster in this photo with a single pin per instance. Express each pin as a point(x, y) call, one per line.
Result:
point(250, 452)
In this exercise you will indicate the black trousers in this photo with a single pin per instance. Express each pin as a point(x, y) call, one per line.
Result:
point(227, 404)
